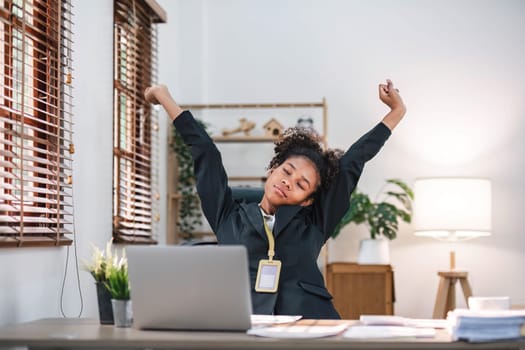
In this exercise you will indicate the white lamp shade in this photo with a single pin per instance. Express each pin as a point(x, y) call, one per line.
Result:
point(452, 208)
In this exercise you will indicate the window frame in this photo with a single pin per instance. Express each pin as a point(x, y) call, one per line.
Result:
point(36, 123)
point(135, 122)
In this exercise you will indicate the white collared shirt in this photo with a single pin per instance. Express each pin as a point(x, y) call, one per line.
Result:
point(270, 219)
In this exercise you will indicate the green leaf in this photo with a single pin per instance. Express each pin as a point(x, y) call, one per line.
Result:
point(403, 186)
point(382, 217)
point(359, 205)
point(117, 283)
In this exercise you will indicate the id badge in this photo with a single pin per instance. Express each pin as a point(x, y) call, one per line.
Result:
point(268, 276)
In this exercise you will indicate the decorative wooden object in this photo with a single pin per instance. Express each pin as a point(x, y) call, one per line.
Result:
point(245, 126)
point(273, 128)
point(361, 289)
point(446, 295)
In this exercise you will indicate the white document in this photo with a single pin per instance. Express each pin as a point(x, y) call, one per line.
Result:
point(387, 320)
point(371, 332)
point(259, 320)
point(298, 331)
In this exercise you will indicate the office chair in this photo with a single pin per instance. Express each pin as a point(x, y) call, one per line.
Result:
point(248, 194)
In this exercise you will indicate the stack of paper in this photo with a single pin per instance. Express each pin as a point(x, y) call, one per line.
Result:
point(388, 320)
point(486, 325)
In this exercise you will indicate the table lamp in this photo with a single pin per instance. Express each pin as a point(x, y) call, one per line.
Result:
point(452, 209)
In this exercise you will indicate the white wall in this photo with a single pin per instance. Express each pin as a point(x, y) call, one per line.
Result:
point(459, 66)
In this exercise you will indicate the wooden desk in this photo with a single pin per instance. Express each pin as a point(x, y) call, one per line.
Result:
point(88, 334)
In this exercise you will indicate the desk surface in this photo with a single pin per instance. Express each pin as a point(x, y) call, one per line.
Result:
point(87, 333)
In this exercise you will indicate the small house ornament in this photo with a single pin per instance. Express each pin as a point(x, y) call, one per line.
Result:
point(273, 128)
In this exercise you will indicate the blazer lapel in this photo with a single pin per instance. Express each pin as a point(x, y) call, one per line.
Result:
point(283, 216)
point(253, 212)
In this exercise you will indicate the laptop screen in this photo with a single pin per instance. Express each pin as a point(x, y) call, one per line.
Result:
point(190, 287)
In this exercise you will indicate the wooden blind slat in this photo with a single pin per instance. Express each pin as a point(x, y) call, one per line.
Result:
point(17, 208)
point(136, 204)
point(33, 231)
point(39, 124)
point(134, 180)
point(129, 213)
point(133, 191)
point(132, 231)
point(130, 218)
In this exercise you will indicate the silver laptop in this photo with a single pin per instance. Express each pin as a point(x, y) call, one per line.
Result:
point(190, 288)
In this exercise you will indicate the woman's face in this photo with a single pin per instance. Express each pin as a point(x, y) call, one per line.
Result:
point(292, 183)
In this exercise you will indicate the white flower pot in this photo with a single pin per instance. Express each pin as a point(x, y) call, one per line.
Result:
point(374, 252)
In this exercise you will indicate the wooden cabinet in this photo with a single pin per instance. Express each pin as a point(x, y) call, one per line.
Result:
point(361, 289)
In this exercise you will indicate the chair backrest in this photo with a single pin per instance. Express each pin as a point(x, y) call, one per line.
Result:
point(249, 194)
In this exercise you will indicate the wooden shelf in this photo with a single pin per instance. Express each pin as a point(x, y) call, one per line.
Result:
point(247, 178)
point(238, 139)
point(255, 105)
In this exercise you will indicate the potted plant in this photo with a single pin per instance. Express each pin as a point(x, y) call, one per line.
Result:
point(98, 268)
point(381, 217)
point(117, 283)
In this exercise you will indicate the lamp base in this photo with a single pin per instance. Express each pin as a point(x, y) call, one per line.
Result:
point(446, 295)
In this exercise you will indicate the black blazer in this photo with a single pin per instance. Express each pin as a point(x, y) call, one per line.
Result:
point(300, 232)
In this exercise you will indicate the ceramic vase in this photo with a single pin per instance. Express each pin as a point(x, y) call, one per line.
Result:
point(374, 252)
point(105, 309)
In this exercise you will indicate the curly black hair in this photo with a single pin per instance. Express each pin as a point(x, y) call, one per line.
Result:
point(306, 142)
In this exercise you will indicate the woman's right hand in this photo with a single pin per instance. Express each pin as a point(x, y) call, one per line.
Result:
point(152, 94)
point(159, 94)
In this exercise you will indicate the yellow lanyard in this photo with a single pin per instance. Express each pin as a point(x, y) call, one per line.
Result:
point(271, 242)
point(269, 270)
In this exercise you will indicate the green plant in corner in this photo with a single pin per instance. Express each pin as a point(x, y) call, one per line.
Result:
point(382, 217)
point(117, 282)
point(190, 215)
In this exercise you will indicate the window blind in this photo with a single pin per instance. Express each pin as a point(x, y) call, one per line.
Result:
point(135, 161)
point(35, 123)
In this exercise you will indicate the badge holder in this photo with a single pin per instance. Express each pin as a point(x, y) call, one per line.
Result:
point(268, 276)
